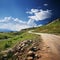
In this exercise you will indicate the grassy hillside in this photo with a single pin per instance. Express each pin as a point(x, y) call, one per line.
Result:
point(53, 27)
point(10, 39)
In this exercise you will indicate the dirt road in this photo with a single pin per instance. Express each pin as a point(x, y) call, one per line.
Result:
point(52, 42)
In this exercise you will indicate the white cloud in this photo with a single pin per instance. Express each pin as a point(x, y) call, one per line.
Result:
point(31, 23)
point(37, 14)
point(32, 11)
point(11, 20)
point(17, 24)
point(14, 27)
point(45, 4)
point(14, 24)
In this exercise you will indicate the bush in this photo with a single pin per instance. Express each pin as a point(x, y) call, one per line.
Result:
point(7, 45)
point(6, 37)
point(21, 37)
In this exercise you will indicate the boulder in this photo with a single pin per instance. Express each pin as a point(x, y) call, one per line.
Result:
point(30, 41)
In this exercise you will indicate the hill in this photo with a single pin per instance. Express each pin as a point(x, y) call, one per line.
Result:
point(52, 27)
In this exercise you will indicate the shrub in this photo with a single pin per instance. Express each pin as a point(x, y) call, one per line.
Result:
point(10, 54)
point(7, 45)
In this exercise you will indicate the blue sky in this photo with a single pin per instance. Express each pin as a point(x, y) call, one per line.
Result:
point(20, 14)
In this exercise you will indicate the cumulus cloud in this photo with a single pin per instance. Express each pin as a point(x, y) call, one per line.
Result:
point(15, 24)
point(11, 20)
point(14, 27)
point(32, 11)
point(37, 14)
point(31, 23)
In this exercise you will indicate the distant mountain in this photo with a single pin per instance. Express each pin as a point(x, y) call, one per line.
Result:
point(5, 30)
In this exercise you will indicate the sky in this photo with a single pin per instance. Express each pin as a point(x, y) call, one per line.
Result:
point(20, 14)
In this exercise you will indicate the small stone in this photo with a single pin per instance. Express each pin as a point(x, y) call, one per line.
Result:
point(5, 55)
point(29, 58)
point(22, 49)
point(23, 45)
point(16, 54)
point(34, 49)
point(36, 55)
point(18, 48)
point(30, 52)
point(30, 41)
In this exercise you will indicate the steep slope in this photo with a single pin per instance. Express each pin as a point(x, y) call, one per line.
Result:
point(53, 27)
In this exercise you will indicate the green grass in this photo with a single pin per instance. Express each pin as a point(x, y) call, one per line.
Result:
point(9, 43)
point(53, 28)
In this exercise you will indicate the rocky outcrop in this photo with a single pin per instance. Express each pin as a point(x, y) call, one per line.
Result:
point(25, 50)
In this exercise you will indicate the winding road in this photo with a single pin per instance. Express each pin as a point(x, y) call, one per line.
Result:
point(53, 42)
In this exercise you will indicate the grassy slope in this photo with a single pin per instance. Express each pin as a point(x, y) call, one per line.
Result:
point(16, 38)
point(7, 35)
point(53, 27)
